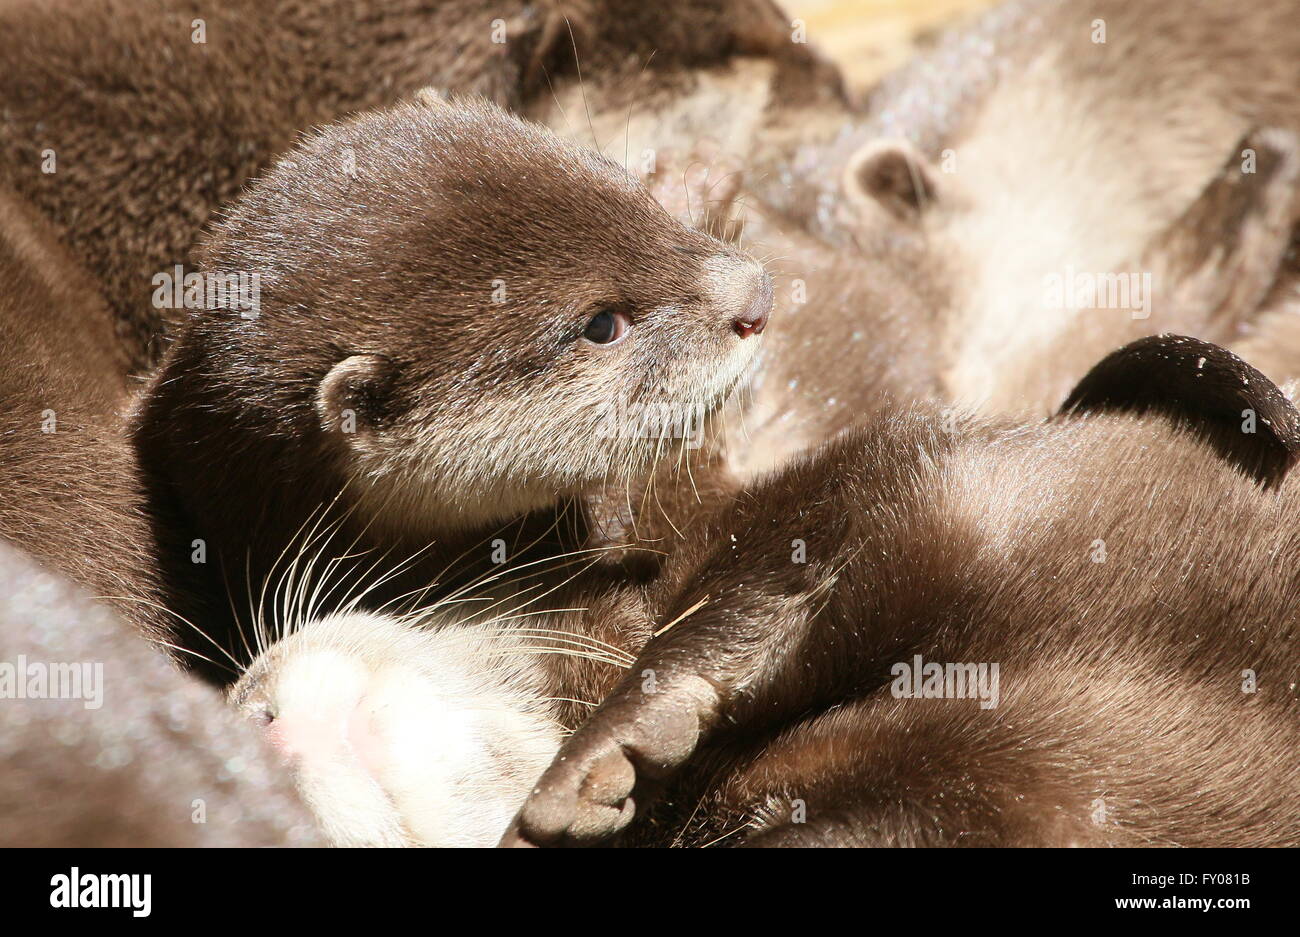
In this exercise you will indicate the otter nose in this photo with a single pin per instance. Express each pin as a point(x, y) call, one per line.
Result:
point(754, 319)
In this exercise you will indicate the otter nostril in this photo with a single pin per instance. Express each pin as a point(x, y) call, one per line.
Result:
point(754, 319)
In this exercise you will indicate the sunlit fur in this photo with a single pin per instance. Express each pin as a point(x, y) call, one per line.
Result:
point(1043, 149)
point(402, 733)
point(1137, 592)
point(417, 370)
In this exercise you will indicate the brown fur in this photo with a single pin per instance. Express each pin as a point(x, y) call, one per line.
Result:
point(153, 132)
point(379, 299)
point(888, 310)
point(140, 174)
point(1018, 148)
point(70, 487)
point(1121, 678)
point(163, 762)
point(868, 335)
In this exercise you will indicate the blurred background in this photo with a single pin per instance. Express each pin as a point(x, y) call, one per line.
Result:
point(869, 37)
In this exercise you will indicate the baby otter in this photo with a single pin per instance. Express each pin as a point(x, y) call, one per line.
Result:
point(423, 731)
point(1051, 140)
point(901, 274)
point(458, 318)
point(857, 333)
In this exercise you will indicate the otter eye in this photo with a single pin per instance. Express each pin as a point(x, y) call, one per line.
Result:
point(606, 327)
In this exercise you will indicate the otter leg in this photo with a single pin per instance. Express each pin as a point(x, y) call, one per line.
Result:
point(774, 608)
point(746, 635)
point(684, 685)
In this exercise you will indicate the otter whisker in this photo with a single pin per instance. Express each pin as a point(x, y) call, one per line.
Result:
point(234, 616)
point(571, 634)
point(576, 641)
point(582, 87)
point(713, 842)
point(314, 518)
point(194, 653)
point(566, 699)
point(563, 652)
point(627, 127)
point(179, 617)
point(556, 562)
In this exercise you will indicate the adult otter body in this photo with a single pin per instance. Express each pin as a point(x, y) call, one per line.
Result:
point(1111, 609)
point(456, 311)
point(72, 492)
point(913, 240)
point(1050, 143)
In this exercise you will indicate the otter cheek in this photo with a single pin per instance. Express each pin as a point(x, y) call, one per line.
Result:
point(399, 723)
point(315, 700)
point(425, 749)
point(366, 738)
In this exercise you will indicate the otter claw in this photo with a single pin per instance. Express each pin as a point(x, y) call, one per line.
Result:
point(584, 797)
point(587, 795)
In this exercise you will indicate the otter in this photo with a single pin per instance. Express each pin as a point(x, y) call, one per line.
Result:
point(422, 731)
point(354, 410)
point(1048, 141)
point(854, 335)
point(1116, 587)
point(129, 127)
point(107, 745)
point(899, 272)
point(215, 95)
point(459, 318)
point(73, 497)
point(1045, 554)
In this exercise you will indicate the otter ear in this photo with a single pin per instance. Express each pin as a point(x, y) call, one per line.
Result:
point(354, 398)
point(1231, 405)
point(892, 175)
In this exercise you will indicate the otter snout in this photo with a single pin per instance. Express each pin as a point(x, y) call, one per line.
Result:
point(401, 735)
point(742, 290)
point(754, 319)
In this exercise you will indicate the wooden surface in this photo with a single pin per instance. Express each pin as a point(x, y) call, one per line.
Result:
point(870, 37)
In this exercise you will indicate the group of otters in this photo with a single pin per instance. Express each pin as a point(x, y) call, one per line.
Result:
point(388, 513)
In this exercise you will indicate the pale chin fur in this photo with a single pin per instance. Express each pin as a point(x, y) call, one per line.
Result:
point(405, 735)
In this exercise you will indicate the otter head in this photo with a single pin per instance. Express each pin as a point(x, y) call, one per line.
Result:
point(413, 731)
point(471, 316)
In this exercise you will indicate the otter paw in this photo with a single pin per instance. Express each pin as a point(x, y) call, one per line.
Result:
point(636, 739)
